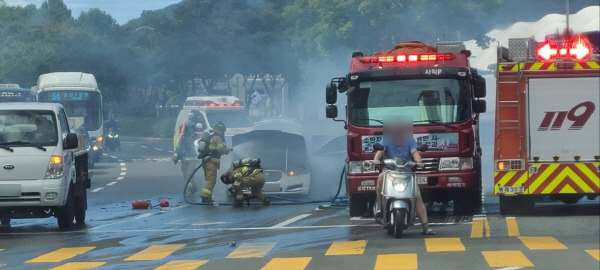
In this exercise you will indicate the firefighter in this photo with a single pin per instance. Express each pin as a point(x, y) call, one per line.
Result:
point(212, 159)
point(246, 173)
point(186, 152)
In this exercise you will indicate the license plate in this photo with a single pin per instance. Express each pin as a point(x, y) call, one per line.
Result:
point(422, 180)
point(518, 189)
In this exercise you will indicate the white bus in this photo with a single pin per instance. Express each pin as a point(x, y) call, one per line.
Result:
point(79, 94)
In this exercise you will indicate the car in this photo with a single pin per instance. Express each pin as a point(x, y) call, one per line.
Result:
point(44, 173)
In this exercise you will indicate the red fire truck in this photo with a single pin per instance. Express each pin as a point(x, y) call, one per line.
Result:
point(437, 88)
point(547, 139)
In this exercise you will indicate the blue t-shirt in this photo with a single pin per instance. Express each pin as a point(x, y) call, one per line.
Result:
point(398, 151)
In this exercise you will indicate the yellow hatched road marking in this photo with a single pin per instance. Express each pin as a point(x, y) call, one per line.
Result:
point(79, 266)
point(252, 250)
point(488, 233)
point(444, 244)
point(181, 265)
point(347, 248)
point(541, 242)
point(288, 263)
point(508, 258)
point(594, 253)
point(60, 254)
point(593, 65)
point(547, 172)
point(154, 252)
point(477, 228)
point(513, 226)
point(396, 262)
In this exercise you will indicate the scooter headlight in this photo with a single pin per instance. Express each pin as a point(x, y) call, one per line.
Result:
point(110, 136)
point(399, 183)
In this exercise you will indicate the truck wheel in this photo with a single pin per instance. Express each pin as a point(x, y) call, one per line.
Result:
point(66, 214)
point(398, 219)
point(5, 221)
point(467, 203)
point(80, 203)
point(358, 205)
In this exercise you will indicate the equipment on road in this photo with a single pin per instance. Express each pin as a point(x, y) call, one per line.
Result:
point(44, 169)
point(140, 205)
point(547, 126)
point(437, 88)
point(399, 194)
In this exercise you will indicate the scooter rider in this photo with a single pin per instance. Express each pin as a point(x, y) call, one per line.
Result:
point(186, 152)
point(216, 148)
point(246, 173)
point(398, 142)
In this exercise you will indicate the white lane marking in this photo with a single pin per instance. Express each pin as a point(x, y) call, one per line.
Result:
point(123, 168)
point(123, 173)
point(208, 223)
point(111, 183)
point(120, 160)
point(171, 152)
point(122, 164)
point(290, 221)
point(97, 189)
point(143, 146)
point(157, 149)
point(114, 157)
point(120, 178)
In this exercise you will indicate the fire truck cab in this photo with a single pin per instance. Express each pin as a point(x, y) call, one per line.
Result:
point(547, 126)
point(437, 88)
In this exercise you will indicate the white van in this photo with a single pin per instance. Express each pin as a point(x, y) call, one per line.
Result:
point(43, 173)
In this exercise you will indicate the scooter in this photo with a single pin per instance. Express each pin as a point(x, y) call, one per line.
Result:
point(399, 193)
point(112, 140)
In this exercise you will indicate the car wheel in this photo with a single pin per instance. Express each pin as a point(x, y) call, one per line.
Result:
point(66, 214)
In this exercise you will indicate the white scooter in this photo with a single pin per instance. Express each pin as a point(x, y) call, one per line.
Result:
point(399, 194)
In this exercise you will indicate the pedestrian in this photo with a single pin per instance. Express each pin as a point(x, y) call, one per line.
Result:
point(186, 152)
point(212, 160)
point(246, 173)
point(398, 142)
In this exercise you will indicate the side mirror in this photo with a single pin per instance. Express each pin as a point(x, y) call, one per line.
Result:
point(378, 147)
point(71, 141)
point(479, 106)
point(331, 93)
point(423, 148)
point(331, 111)
point(479, 89)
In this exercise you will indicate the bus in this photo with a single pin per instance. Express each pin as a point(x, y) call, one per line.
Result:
point(14, 93)
point(79, 94)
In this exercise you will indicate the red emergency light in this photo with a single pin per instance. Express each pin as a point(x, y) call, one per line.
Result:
point(412, 58)
point(577, 48)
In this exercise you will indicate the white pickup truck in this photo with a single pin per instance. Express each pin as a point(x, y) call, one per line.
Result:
point(43, 172)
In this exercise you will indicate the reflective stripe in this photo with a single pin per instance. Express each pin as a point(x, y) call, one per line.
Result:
point(206, 191)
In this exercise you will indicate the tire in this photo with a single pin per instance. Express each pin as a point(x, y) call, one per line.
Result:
point(79, 208)
point(358, 205)
point(398, 217)
point(467, 203)
point(66, 214)
point(5, 221)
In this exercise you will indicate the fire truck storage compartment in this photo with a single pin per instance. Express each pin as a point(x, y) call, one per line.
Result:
point(564, 119)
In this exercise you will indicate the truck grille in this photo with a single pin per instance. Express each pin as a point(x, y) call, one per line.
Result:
point(25, 197)
point(431, 166)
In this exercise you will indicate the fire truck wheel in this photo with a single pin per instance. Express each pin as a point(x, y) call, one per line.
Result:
point(358, 205)
point(467, 203)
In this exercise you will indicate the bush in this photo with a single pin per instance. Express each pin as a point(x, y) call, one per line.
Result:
point(147, 127)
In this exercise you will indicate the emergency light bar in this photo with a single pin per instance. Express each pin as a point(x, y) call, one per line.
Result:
point(204, 103)
point(411, 58)
point(577, 48)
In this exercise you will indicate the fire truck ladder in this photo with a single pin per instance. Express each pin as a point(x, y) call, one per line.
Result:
point(510, 124)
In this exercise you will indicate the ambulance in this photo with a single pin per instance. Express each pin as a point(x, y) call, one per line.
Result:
point(210, 110)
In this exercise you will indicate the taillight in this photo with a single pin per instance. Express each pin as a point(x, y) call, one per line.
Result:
point(510, 165)
point(55, 168)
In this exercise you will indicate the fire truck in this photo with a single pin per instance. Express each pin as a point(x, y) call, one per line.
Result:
point(547, 126)
point(437, 88)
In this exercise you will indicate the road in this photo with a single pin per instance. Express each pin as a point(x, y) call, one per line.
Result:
point(300, 236)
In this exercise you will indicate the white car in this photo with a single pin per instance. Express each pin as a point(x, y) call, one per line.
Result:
point(43, 173)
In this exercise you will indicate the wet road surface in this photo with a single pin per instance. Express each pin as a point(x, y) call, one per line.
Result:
point(303, 236)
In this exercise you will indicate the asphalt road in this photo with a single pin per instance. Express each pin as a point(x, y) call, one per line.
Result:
point(302, 236)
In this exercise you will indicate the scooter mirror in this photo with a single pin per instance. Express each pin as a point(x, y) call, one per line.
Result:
point(378, 147)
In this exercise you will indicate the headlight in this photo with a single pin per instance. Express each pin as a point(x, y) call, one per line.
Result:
point(360, 167)
point(55, 168)
point(399, 183)
point(456, 163)
point(110, 136)
point(116, 135)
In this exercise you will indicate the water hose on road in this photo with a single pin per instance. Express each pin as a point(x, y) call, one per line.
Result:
point(287, 201)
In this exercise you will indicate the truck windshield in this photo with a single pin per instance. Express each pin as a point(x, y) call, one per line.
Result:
point(83, 104)
point(27, 127)
point(426, 101)
point(235, 119)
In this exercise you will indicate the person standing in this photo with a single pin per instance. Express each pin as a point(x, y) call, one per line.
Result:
point(186, 152)
point(212, 160)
